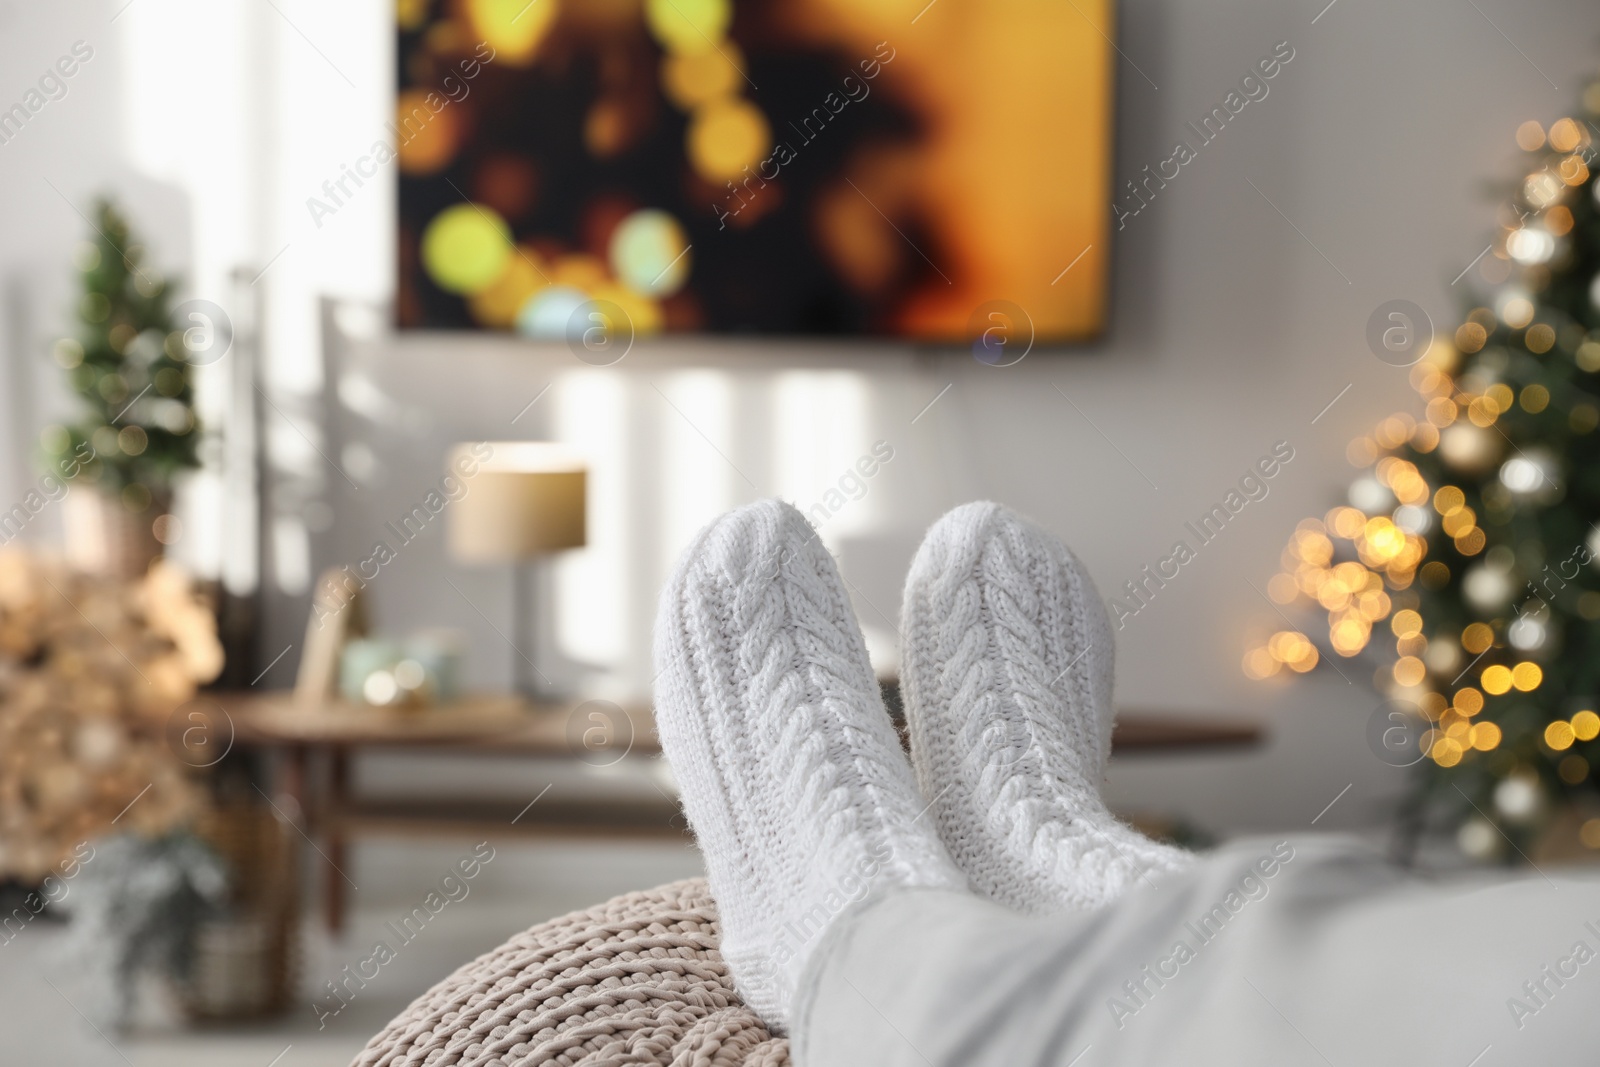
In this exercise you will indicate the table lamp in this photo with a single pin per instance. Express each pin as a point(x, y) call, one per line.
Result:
point(523, 500)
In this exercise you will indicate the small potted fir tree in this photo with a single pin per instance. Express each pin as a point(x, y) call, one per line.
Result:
point(130, 363)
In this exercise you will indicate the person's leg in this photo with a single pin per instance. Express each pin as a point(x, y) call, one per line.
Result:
point(792, 777)
point(1007, 675)
point(1266, 952)
point(1270, 952)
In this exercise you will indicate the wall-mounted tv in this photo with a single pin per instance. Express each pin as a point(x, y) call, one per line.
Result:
point(848, 168)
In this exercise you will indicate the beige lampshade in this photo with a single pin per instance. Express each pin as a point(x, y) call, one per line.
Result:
point(523, 499)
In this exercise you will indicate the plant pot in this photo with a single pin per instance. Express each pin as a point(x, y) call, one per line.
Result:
point(104, 538)
point(245, 963)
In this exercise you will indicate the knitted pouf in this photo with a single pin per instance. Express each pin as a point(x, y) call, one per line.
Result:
point(636, 980)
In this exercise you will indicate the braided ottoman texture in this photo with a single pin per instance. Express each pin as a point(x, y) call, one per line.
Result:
point(636, 980)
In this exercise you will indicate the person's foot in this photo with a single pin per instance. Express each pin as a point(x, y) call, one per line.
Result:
point(1007, 673)
point(792, 778)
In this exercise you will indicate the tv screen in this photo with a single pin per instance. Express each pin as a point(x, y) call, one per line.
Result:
point(851, 168)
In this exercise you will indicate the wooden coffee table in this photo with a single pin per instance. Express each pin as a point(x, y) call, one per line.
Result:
point(493, 726)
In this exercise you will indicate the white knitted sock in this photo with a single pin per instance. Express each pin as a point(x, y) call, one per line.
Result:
point(1007, 671)
point(792, 778)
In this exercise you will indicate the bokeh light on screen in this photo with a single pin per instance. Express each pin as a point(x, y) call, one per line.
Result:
point(579, 272)
point(410, 14)
point(871, 186)
point(513, 28)
point(649, 253)
point(498, 303)
point(691, 79)
point(427, 140)
point(727, 136)
point(643, 313)
point(688, 25)
point(547, 314)
point(465, 248)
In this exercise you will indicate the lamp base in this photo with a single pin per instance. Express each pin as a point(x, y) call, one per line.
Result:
point(527, 680)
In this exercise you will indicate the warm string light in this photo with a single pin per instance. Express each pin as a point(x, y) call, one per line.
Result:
point(1359, 562)
point(1561, 733)
point(1389, 549)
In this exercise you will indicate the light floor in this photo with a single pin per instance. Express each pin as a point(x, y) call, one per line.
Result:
point(523, 885)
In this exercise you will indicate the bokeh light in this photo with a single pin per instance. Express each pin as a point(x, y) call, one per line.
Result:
point(687, 25)
point(1526, 676)
point(1530, 136)
point(1517, 311)
point(465, 248)
point(410, 14)
point(513, 28)
point(1409, 671)
point(1498, 402)
point(1258, 663)
point(427, 140)
point(1496, 680)
point(692, 79)
point(726, 137)
point(650, 253)
point(1565, 135)
point(644, 313)
point(583, 272)
point(1558, 735)
point(498, 303)
point(1485, 736)
point(1477, 637)
point(547, 314)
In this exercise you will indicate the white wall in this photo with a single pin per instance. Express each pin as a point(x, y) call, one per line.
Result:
point(1235, 323)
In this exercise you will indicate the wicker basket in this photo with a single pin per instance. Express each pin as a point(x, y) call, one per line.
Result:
point(246, 962)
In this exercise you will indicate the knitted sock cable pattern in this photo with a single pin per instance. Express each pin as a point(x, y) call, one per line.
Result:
point(1008, 670)
point(791, 775)
point(637, 980)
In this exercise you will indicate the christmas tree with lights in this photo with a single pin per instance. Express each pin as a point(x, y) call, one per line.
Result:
point(130, 365)
point(1465, 568)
